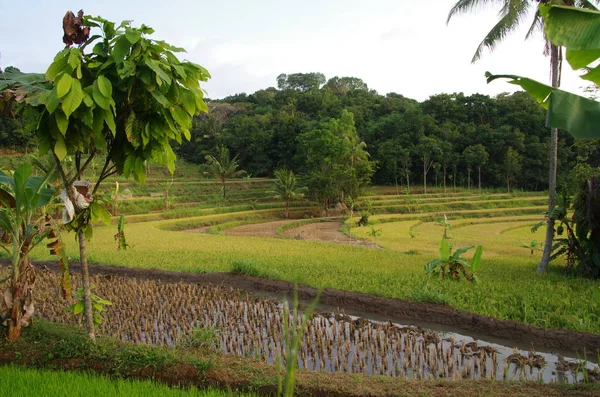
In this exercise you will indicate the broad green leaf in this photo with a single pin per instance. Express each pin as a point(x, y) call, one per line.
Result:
point(160, 98)
point(99, 214)
point(188, 102)
point(62, 122)
point(104, 86)
point(109, 118)
point(132, 35)
point(64, 85)
point(100, 49)
point(57, 67)
point(593, 75)
point(534, 88)
point(120, 49)
point(154, 65)
point(52, 101)
point(60, 149)
point(99, 98)
point(578, 115)
point(444, 250)
point(74, 58)
point(73, 99)
point(580, 59)
point(181, 117)
point(129, 126)
point(574, 28)
point(78, 308)
point(476, 261)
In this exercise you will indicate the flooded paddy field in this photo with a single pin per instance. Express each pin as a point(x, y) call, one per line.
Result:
point(164, 313)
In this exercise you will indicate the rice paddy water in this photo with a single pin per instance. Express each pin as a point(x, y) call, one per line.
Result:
point(152, 312)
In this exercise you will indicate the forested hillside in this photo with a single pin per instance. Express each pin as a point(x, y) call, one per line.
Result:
point(328, 128)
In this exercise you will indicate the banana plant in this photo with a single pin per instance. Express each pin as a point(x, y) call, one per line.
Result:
point(451, 265)
point(22, 199)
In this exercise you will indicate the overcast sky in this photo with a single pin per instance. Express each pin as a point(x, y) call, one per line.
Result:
point(401, 46)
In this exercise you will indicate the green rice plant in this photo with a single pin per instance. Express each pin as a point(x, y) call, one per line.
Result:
point(452, 265)
point(201, 338)
point(98, 305)
point(46, 383)
point(246, 267)
point(292, 337)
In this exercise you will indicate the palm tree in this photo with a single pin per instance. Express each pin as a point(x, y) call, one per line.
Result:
point(286, 188)
point(223, 166)
point(512, 14)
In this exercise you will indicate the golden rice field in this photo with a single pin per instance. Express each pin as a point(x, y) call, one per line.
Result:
point(403, 226)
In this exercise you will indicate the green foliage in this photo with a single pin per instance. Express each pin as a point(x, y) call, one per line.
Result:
point(39, 382)
point(205, 339)
point(286, 188)
point(576, 30)
point(452, 265)
point(98, 305)
point(292, 336)
point(120, 236)
point(374, 232)
point(223, 167)
point(249, 268)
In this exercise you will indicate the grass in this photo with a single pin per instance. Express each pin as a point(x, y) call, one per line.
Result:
point(46, 348)
point(25, 382)
point(510, 288)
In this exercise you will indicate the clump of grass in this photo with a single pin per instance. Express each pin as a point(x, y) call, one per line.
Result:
point(45, 383)
point(246, 267)
point(201, 338)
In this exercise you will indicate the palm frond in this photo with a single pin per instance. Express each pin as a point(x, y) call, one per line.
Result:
point(537, 25)
point(588, 5)
point(514, 12)
point(466, 6)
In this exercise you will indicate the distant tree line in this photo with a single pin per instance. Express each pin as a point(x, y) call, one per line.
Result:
point(337, 131)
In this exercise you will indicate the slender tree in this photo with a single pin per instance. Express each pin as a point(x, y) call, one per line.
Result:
point(223, 167)
point(512, 14)
point(124, 100)
point(287, 189)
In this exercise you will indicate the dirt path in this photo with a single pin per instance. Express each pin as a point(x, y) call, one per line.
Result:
point(326, 231)
point(369, 306)
point(264, 229)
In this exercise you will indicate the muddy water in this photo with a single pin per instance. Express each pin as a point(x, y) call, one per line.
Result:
point(154, 312)
point(338, 342)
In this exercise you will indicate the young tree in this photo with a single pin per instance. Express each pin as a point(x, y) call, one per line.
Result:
point(406, 161)
point(287, 188)
point(511, 166)
point(512, 15)
point(223, 167)
point(475, 155)
point(21, 197)
point(429, 150)
point(124, 101)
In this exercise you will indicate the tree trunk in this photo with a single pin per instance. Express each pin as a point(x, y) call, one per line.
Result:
point(407, 181)
point(444, 179)
point(508, 183)
point(556, 63)
point(287, 209)
point(424, 177)
point(479, 169)
point(224, 192)
point(87, 300)
point(469, 179)
point(23, 278)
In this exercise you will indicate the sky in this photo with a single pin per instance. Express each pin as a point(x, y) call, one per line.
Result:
point(401, 46)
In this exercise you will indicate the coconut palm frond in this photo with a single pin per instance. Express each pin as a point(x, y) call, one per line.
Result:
point(588, 5)
point(514, 14)
point(537, 25)
point(466, 6)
